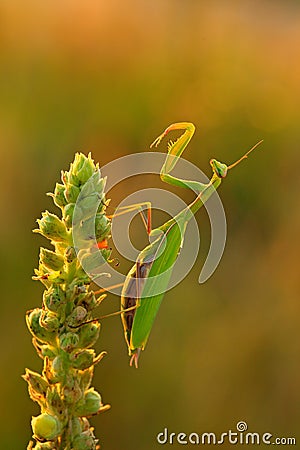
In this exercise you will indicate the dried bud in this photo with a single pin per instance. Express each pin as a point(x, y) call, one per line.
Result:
point(85, 441)
point(88, 334)
point(54, 298)
point(85, 424)
point(46, 427)
point(65, 176)
point(77, 316)
point(51, 260)
point(87, 299)
point(52, 227)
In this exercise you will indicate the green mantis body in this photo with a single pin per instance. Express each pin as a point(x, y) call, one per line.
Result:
point(148, 279)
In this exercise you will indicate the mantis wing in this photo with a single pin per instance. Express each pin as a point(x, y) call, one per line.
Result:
point(156, 283)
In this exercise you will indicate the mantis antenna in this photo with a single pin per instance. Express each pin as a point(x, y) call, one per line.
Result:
point(245, 156)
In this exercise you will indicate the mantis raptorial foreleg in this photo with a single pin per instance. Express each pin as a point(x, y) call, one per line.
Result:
point(175, 150)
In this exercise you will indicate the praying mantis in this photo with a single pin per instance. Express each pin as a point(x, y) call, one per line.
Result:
point(147, 281)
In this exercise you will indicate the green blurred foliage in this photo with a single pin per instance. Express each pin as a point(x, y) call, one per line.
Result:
point(108, 77)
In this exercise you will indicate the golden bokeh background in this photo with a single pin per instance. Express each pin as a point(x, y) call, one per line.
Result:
point(108, 77)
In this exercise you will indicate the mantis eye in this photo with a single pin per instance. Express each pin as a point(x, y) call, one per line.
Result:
point(218, 168)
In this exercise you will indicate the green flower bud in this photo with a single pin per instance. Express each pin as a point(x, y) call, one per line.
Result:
point(49, 321)
point(81, 296)
point(77, 316)
point(59, 368)
point(72, 178)
point(77, 219)
point(76, 426)
point(52, 227)
point(106, 253)
point(42, 274)
point(89, 204)
point(88, 334)
point(84, 168)
point(54, 298)
point(90, 404)
point(68, 341)
point(81, 169)
point(103, 204)
point(89, 300)
point(91, 262)
point(55, 404)
point(102, 227)
point(59, 195)
point(83, 360)
point(72, 193)
point(81, 276)
point(68, 214)
point(81, 289)
point(85, 441)
point(50, 259)
point(46, 427)
point(86, 171)
point(37, 330)
point(78, 162)
point(72, 393)
point(86, 377)
point(57, 277)
point(70, 254)
point(44, 349)
point(95, 185)
point(37, 385)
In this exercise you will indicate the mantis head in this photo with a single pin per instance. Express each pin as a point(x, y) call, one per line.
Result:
point(221, 169)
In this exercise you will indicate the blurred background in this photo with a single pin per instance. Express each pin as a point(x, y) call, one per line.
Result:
point(108, 77)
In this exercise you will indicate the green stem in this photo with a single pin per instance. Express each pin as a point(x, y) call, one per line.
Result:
point(61, 335)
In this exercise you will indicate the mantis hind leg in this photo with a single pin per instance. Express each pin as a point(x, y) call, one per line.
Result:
point(175, 150)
